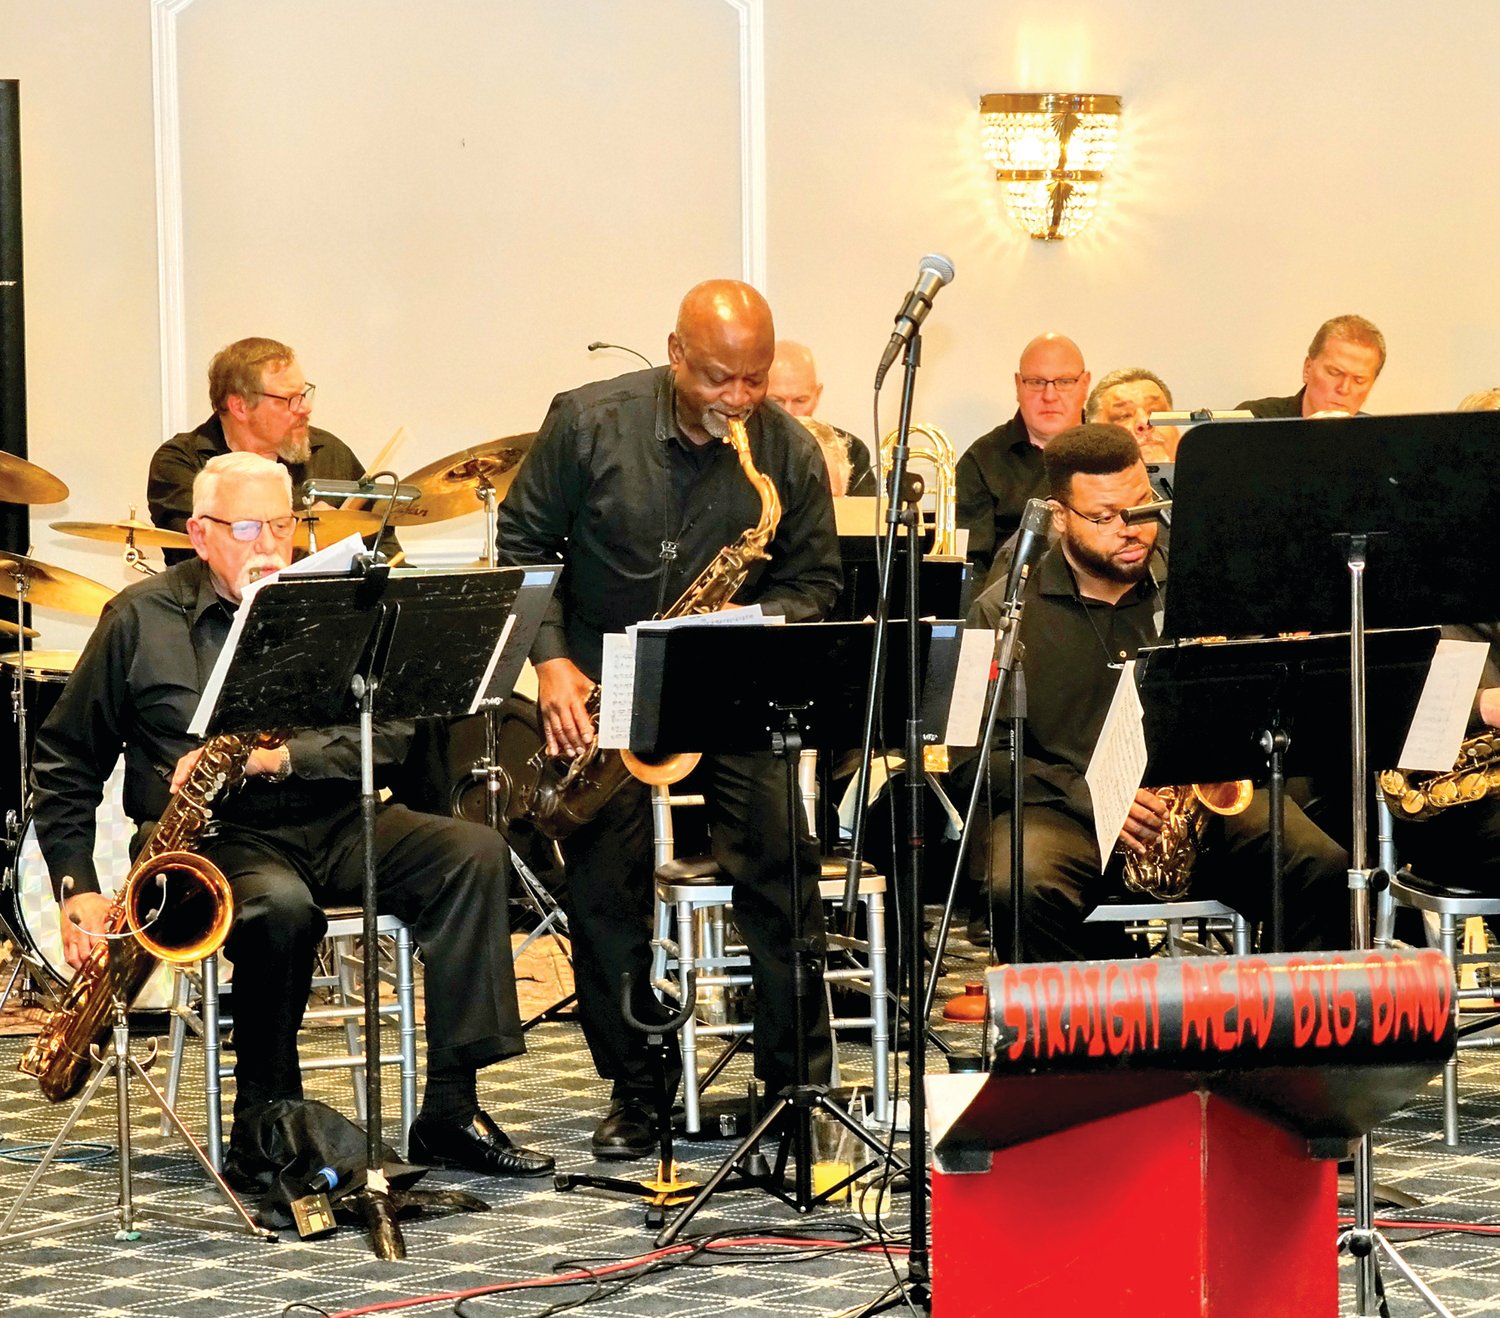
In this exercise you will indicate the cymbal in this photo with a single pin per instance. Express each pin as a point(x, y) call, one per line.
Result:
point(9, 628)
point(131, 531)
point(450, 487)
point(333, 524)
point(25, 482)
point(51, 587)
point(51, 661)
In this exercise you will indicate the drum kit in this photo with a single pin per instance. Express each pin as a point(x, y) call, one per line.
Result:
point(472, 480)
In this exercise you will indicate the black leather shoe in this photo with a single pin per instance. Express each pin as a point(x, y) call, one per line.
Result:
point(627, 1131)
point(481, 1146)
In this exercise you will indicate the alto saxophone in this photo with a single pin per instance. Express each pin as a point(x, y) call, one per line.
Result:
point(174, 906)
point(1418, 796)
point(571, 790)
point(1165, 868)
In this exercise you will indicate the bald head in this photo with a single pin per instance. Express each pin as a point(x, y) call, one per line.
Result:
point(720, 356)
point(1051, 385)
point(794, 378)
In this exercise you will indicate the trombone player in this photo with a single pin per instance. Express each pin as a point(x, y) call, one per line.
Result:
point(288, 838)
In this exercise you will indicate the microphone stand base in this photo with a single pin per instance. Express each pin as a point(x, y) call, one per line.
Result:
point(382, 1209)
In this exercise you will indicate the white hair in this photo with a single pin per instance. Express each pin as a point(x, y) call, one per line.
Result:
point(234, 466)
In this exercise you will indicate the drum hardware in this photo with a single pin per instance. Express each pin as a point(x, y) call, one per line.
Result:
point(134, 533)
point(320, 527)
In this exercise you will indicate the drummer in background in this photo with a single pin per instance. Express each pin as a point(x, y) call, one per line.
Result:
point(262, 404)
point(794, 384)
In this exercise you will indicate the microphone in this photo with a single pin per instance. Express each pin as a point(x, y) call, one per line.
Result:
point(1030, 541)
point(1158, 510)
point(599, 343)
point(311, 1212)
point(932, 273)
point(317, 488)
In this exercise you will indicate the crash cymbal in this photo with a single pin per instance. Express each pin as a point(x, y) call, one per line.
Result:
point(51, 661)
point(51, 587)
point(141, 534)
point(9, 628)
point(25, 482)
point(450, 487)
point(332, 524)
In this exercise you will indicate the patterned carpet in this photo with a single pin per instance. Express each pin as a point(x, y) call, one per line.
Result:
point(550, 1099)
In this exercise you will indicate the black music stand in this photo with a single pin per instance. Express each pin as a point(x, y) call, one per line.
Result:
point(312, 651)
point(781, 688)
point(1352, 500)
point(1225, 710)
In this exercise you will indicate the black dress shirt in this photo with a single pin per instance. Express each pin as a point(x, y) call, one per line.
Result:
point(1279, 408)
point(993, 479)
point(136, 687)
point(1073, 651)
point(635, 511)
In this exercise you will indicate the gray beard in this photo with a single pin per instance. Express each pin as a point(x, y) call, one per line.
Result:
point(296, 450)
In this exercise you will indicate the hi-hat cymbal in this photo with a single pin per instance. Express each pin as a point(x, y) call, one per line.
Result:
point(25, 482)
point(331, 525)
point(132, 531)
point(451, 486)
point(50, 661)
point(51, 587)
point(9, 628)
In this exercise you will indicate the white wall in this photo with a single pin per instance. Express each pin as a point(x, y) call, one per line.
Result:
point(440, 205)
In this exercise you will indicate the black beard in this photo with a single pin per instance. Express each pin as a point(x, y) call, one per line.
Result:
point(1101, 565)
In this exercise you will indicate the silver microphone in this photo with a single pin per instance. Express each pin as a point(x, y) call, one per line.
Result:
point(932, 273)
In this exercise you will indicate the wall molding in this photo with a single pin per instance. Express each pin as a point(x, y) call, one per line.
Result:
point(166, 100)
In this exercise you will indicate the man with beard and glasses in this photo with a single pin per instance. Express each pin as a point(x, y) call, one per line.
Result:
point(630, 486)
point(262, 404)
point(288, 838)
point(1090, 604)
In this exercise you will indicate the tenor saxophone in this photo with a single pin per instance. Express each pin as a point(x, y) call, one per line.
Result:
point(173, 906)
point(571, 790)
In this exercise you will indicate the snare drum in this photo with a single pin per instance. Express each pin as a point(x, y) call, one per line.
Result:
point(28, 907)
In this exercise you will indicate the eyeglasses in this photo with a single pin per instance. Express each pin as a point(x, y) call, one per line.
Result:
point(1104, 521)
point(248, 529)
point(296, 402)
point(1038, 383)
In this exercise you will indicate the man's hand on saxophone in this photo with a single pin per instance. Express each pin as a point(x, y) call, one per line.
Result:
point(562, 696)
point(273, 762)
point(84, 916)
point(1148, 812)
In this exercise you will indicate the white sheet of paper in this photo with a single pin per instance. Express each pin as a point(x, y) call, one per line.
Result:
point(336, 558)
point(1437, 728)
point(489, 671)
point(748, 616)
point(617, 689)
point(970, 681)
point(1118, 763)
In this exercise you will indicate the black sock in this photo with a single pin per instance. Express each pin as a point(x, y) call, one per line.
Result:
point(451, 1096)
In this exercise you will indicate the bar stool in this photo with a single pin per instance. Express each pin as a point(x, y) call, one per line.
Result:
point(1450, 905)
point(693, 899)
point(195, 1008)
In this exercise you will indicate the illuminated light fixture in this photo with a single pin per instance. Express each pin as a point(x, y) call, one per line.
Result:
point(1050, 150)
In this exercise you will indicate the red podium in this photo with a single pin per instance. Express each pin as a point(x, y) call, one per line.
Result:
point(1159, 1137)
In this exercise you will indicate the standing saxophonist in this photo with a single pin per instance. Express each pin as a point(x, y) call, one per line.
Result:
point(630, 485)
point(288, 839)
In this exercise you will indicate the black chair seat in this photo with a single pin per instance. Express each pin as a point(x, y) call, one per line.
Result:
point(1451, 891)
point(692, 869)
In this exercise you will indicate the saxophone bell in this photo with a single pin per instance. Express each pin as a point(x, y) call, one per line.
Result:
point(178, 907)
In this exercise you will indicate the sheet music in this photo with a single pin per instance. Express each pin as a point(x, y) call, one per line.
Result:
point(975, 651)
point(335, 560)
point(1118, 763)
point(616, 689)
point(1437, 728)
point(748, 616)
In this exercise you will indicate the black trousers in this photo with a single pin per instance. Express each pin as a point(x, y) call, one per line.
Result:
point(445, 878)
point(609, 904)
point(1459, 845)
point(1062, 883)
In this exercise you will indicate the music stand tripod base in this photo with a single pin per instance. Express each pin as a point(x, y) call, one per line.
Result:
point(118, 1062)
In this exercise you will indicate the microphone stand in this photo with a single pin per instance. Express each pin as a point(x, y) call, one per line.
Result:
point(915, 1287)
